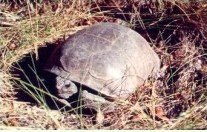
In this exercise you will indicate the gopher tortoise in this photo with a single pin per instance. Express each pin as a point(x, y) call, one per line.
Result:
point(106, 57)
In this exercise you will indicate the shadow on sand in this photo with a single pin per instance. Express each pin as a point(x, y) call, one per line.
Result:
point(31, 74)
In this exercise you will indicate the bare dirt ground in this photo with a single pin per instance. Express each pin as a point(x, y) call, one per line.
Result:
point(176, 30)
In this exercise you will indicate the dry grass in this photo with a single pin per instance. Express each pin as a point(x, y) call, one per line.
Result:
point(177, 32)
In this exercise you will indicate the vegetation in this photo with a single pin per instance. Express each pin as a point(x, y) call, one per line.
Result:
point(177, 99)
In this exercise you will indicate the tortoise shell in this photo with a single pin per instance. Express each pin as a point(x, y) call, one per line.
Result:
point(109, 58)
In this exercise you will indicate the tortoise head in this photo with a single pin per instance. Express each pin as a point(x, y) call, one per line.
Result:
point(65, 87)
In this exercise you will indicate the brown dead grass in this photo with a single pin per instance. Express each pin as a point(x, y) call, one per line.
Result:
point(176, 100)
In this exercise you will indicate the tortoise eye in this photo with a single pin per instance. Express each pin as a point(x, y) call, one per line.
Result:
point(67, 85)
